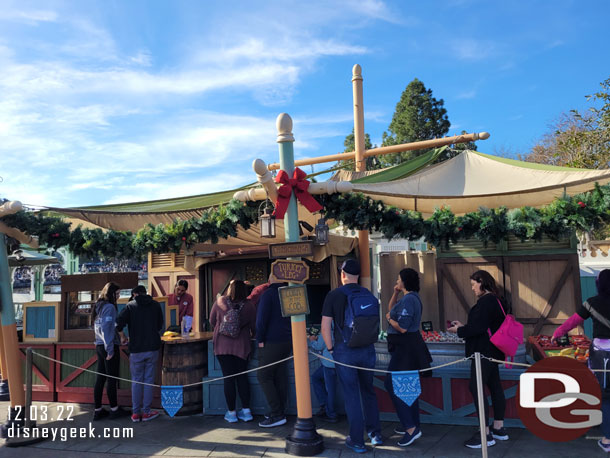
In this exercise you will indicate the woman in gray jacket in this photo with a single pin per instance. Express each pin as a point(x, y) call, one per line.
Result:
point(107, 349)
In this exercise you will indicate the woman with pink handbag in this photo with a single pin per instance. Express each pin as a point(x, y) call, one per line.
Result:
point(484, 319)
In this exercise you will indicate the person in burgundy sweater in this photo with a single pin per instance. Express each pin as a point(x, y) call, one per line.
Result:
point(233, 352)
point(182, 299)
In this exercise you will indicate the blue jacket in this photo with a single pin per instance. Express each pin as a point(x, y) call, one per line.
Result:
point(271, 326)
point(105, 327)
point(319, 346)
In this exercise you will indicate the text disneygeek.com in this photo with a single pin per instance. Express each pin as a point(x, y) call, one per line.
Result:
point(65, 433)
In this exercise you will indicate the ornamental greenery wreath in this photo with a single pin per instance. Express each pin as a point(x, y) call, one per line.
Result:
point(583, 212)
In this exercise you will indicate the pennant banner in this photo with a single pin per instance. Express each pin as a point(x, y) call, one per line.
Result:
point(406, 386)
point(171, 399)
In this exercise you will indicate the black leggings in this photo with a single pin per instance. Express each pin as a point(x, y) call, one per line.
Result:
point(490, 373)
point(231, 364)
point(108, 367)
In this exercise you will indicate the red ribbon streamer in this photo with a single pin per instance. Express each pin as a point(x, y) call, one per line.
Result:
point(299, 185)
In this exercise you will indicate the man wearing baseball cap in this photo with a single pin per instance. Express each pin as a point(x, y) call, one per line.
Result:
point(356, 383)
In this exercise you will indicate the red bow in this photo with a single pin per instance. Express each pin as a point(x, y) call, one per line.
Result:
point(299, 184)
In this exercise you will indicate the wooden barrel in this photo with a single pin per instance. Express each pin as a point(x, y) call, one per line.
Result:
point(185, 362)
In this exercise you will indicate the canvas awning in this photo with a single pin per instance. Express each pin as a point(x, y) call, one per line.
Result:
point(472, 180)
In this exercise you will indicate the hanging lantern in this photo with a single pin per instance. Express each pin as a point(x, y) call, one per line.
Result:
point(321, 232)
point(266, 222)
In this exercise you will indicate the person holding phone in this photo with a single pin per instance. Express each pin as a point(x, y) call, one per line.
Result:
point(484, 319)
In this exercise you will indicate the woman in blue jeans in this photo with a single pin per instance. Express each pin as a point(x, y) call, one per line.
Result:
point(407, 348)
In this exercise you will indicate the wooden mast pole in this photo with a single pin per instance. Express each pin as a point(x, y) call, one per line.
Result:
point(359, 150)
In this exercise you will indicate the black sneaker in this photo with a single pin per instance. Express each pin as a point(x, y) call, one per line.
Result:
point(499, 434)
point(328, 419)
point(321, 412)
point(399, 430)
point(99, 414)
point(408, 439)
point(272, 422)
point(475, 441)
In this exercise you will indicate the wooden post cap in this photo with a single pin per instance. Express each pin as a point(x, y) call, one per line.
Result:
point(284, 128)
point(259, 167)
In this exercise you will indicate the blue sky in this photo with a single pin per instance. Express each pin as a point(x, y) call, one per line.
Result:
point(119, 101)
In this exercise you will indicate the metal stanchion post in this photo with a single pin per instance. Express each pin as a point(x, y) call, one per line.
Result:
point(480, 394)
point(28, 387)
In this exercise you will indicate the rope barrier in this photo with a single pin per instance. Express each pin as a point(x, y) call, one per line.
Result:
point(203, 382)
point(530, 365)
point(451, 363)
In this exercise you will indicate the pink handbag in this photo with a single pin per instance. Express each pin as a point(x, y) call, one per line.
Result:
point(508, 337)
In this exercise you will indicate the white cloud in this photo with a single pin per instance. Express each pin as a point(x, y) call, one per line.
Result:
point(31, 17)
point(466, 95)
point(84, 114)
point(471, 49)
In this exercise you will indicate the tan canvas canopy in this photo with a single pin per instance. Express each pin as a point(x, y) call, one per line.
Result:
point(472, 180)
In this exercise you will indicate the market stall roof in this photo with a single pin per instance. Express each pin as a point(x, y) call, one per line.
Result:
point(472, 180)
point(135, 215)
point(402, 170)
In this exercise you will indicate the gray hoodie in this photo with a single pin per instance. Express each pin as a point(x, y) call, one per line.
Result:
point(105, 327)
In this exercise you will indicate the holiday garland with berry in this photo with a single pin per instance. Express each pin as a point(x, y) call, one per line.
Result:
point(583, 213)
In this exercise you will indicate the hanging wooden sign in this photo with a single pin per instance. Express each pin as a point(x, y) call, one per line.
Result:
point(292, 271)
point(291, 249)
point(293, 300)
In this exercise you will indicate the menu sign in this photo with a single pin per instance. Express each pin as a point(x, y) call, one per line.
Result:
point(293, 300)
point(292, 271)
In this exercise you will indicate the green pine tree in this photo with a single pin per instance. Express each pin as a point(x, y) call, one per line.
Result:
point(349, 143)
point(418, 116)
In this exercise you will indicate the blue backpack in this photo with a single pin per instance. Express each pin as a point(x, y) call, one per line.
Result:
point(361, 320)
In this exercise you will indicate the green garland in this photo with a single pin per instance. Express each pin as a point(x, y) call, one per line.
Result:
point(214, 224)
point(583, 212)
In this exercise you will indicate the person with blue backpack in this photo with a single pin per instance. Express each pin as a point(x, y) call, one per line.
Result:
point(354, 313)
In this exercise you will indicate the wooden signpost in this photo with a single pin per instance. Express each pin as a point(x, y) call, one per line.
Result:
point(292, 271)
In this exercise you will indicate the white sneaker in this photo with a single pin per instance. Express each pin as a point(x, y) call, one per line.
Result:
point(245, 415)
point(231, 417)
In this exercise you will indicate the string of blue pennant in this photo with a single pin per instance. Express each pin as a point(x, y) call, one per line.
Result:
point(171, 399)
point(407, 386)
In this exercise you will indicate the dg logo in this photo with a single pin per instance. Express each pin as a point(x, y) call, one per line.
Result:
point(559, 399)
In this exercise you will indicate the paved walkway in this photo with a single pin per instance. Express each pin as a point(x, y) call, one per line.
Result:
point(198, 436)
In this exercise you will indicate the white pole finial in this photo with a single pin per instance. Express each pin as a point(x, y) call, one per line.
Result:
point(284, 128)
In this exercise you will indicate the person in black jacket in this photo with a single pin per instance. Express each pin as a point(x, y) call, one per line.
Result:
point(274, 337)
point(144, 319)
point(484, 319)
